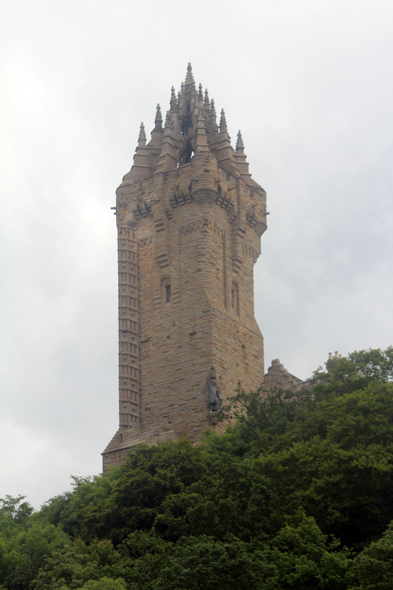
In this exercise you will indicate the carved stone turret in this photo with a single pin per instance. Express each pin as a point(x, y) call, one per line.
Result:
point(190, 218)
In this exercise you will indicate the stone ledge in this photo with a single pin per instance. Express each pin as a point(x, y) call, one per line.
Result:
point(125, 439)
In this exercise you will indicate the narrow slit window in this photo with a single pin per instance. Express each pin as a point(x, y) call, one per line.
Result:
point(167, 293)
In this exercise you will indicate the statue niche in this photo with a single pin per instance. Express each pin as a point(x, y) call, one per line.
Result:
point(213, 395)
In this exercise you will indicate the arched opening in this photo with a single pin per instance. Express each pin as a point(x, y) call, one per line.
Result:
point(186, 154)
point(166, 291)
point(186, 121)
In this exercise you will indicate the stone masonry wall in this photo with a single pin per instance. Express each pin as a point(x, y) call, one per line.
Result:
point(190, 219)
point(192, 234)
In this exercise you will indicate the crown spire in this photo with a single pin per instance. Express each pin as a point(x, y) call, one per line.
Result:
point(212, 117)
point(141, 165)
point(173, 102)
point(201, 145)
point(158, 120)
point(206, 98)
point(142, 136)
point(189, 76)
point(200, 92)
point(239, 143)
point(223, 122)
point(241, 159)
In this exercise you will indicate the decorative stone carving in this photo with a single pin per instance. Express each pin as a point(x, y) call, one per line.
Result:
point(213, 396)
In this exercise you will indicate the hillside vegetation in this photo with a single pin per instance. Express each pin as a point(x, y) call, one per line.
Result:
point(296, 495)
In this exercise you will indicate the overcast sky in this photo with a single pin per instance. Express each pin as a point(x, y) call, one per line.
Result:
point(309, 83)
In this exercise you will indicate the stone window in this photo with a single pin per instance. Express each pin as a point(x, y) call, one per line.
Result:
point(235, 297)
point(166, 291)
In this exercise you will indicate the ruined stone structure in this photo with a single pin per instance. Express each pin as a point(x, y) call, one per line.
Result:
point(278, 377)
point(190, 219)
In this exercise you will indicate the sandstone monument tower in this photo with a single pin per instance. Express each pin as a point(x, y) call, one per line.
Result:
point(190, 219)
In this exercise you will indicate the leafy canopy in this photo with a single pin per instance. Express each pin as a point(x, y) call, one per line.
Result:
point(296, 494)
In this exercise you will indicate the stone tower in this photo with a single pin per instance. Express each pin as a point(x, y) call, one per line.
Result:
point(190, 219)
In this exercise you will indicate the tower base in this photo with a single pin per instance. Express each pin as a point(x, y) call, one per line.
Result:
point(125, 439)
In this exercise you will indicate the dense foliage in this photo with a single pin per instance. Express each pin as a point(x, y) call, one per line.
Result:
point(297, 494)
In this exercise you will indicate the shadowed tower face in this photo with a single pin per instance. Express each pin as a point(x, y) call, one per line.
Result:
point(189, 219)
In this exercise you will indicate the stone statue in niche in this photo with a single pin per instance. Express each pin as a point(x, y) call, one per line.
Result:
point(213, 394)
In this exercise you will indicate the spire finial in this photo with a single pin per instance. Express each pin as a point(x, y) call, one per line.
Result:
point(142, 135)
point(206, 98)
point(240, 158)
point(173, 102)
point(158, 120)
point(239, 143)
point(213, 108)
point(200, 92)
point(223, 121)
point(189, 76)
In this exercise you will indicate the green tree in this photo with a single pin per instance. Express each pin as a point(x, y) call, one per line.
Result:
point(356, 371)
point(269, 504)
point(96, 566)
point(299, 557)
point(88, 502)
point(25, 543)
point(105, 583)
point(373, 568)
point(14, 512)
